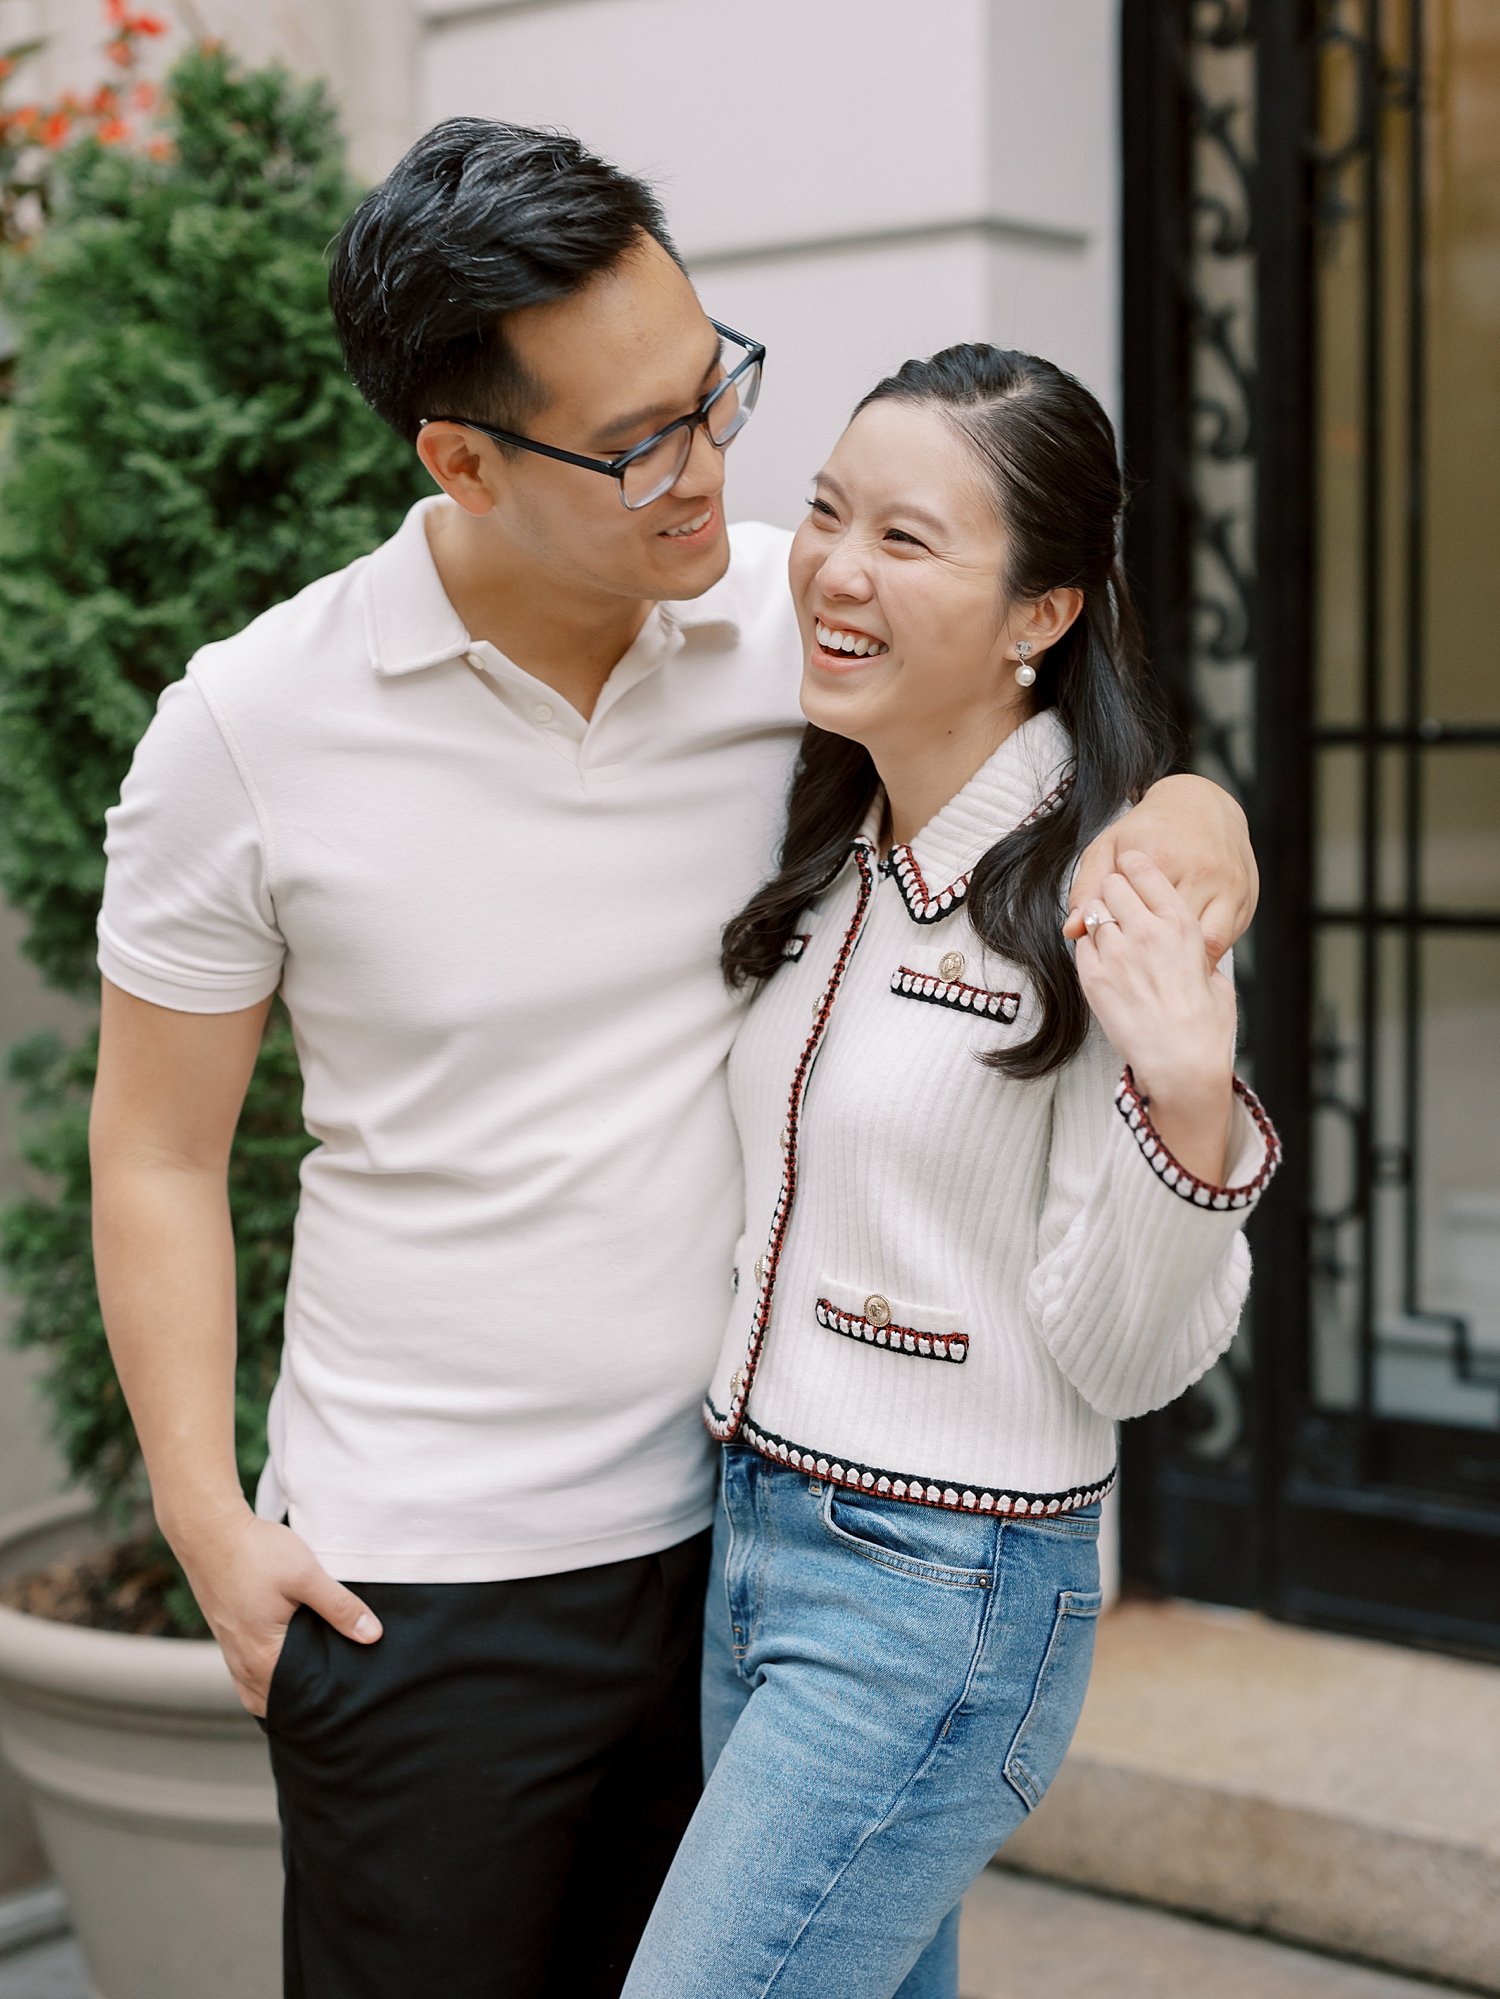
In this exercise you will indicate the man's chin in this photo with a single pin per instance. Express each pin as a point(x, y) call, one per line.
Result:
point(687, 573)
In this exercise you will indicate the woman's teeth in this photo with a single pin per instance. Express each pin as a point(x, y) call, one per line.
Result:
point(689, 527)
point(855, 642)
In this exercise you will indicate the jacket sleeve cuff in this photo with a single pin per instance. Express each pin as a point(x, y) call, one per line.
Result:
point(1254, 1149)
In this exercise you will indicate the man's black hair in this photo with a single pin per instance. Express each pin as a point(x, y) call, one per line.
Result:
point(477, 220)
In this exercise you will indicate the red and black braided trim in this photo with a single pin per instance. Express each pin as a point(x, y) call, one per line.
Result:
point(950, 992)
point(1134, 1108)
point(954, 1496)
point(899, 1339)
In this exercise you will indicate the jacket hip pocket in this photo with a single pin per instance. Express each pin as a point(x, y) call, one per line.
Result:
point(878, 1319)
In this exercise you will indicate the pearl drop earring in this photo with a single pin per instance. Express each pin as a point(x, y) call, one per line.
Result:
point(1025, 672)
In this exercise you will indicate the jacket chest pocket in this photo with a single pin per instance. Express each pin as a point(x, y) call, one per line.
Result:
point(948, 986)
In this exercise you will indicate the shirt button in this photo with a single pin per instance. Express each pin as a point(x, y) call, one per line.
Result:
point(543, 711)
point(952, 966)
point(877, 1311)
point(761, 1267)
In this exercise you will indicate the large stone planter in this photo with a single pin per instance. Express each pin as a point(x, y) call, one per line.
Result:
point(151, 1786)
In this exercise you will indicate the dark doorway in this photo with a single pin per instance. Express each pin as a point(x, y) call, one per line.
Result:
point(1312, 427)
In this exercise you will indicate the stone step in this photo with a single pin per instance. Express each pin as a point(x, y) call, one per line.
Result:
point(1317, 1789)
point(1028, 1939)
point(1021, 1939)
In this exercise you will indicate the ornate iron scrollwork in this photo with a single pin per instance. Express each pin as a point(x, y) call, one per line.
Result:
point(1216, 75)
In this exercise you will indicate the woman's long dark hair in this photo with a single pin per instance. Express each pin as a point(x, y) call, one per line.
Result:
point(1049, 453)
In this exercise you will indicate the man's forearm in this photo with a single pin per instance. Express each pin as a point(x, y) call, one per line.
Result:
point(164, 1261)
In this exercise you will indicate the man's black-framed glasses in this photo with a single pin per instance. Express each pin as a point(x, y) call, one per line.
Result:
point(653, 467)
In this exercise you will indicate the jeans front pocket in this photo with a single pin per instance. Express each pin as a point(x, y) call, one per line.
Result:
point(927, 1543)
point(1041, 1742)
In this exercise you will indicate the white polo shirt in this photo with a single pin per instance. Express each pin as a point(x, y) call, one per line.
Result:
point(496, 929)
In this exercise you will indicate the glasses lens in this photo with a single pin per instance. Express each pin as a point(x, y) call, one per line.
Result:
point(731, 408)
point(656, 471)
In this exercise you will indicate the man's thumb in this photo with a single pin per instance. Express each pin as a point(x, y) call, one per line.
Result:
point(342, 1609)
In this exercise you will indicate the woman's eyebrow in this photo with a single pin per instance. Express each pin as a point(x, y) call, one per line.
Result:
point(908, 507)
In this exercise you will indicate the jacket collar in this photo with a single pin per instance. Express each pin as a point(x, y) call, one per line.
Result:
point(410, 622)
point(1027, 776)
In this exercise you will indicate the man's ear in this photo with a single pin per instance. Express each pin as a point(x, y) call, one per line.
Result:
point(463, 464)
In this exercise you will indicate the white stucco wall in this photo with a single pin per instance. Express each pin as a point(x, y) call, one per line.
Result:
point(851, 181)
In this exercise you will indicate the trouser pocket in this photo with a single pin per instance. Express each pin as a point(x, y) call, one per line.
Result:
point(284, 1672)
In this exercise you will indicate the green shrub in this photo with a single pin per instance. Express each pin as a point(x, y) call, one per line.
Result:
point(183, 448)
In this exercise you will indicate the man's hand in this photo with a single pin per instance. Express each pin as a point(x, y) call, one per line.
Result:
point(249, 1575)
point(1196, 834)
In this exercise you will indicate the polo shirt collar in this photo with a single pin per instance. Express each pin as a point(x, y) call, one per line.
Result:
point(411, 623)
point(1026, 777)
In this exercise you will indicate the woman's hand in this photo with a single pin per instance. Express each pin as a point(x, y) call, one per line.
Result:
point(1168, 1016)
point(1197, 836)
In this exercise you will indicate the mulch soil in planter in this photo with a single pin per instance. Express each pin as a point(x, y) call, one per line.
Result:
point(118, 1589)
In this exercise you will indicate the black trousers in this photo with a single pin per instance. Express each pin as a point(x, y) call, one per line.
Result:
point(483, 1803)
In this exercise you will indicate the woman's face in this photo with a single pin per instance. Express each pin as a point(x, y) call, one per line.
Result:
point(902, 555)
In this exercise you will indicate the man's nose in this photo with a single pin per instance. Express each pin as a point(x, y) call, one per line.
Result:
point(702, 478)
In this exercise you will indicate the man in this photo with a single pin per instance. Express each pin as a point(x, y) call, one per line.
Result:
point(478, 806)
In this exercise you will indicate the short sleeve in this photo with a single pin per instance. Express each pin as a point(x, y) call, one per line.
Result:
point(187, 919)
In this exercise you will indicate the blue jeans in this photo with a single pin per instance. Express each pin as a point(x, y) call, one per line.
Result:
point(888, 1690)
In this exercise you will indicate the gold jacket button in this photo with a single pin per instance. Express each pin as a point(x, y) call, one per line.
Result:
point(952, 966)
point(736, 1384)
point(786, 1138)
point(877, 1311)
point(761, 1267)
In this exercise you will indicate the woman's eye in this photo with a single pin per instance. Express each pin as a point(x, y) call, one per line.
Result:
point(899, 534)
point(821, 507)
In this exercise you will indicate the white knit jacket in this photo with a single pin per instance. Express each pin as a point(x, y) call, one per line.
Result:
point(951, 1283)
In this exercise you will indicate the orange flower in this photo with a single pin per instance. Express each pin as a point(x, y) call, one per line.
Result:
point(160, 148)
point(56, 129)
point(120, 52)
point(117, 11)
point(6, 66)
point(112, 130)
point(144, 96)
point(148, 24)
point(105, 101)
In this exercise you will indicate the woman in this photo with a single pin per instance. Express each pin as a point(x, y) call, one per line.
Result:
point(971, 1242)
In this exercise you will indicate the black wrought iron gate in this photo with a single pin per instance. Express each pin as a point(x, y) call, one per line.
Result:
point(1312, 426)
